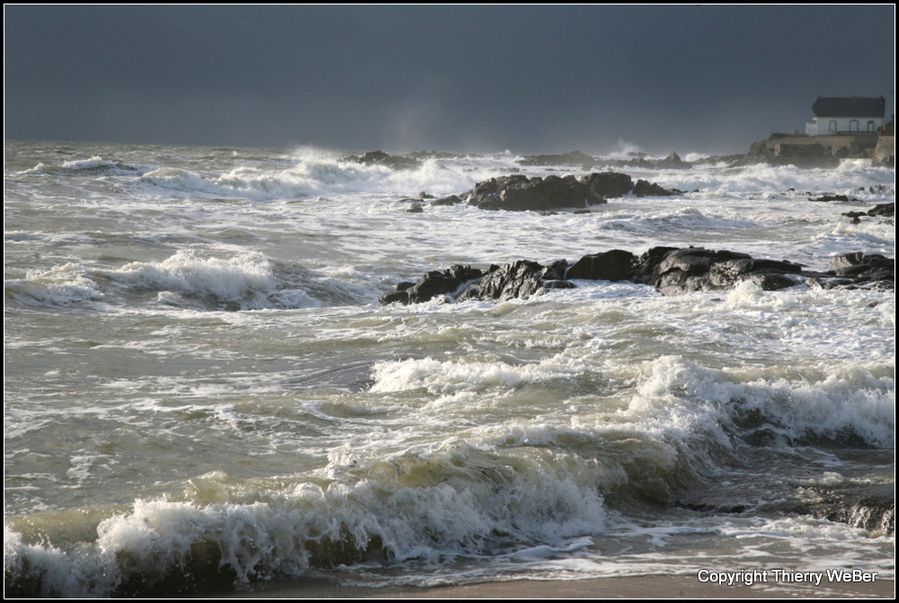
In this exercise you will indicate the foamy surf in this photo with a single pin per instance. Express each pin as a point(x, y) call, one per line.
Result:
point(203, 391)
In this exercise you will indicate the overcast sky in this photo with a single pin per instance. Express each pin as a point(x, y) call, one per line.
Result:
point(546, 78)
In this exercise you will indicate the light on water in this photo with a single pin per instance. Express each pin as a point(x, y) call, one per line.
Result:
point(203, 390)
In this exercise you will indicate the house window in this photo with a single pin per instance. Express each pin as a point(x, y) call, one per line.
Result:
point(870, 126)
point(833, 125)
point(853, 125)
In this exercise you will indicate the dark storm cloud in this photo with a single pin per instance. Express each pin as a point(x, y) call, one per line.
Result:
point(526, 78)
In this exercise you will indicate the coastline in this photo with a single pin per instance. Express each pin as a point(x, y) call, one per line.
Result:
point(645, 587)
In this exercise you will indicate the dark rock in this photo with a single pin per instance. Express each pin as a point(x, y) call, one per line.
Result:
point(517, 192)
point(863, 268)
point(450, 200)
point(614, 265)
point(381, 158)
point(673, 161)
point(644, 188)
point(576, 158)
point(415, 209)
point(673, 270)
point(608, 184)
point(433, 284)
point(670, 270)
point(425, 195)
point(520, 193)
point(640, 160)
point(825, 198)
point(519, 279)
point(883, 209)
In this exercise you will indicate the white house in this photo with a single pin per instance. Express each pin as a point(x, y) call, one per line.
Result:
point(845, 115)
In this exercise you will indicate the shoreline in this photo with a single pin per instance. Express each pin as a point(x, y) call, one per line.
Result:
point(646, 587)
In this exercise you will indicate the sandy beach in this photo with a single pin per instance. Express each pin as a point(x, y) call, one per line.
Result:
point(646, 587)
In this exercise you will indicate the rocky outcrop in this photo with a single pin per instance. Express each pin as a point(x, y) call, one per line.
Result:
point(520, 193)
point(608, 184)
point(433, 283)
point(394, 162)
point(573, 158)
point(697, 269)
point(519, 279)
point(862, 267)
point(670, 270)
point(883, 210)
point(644, 188)
point(614, 265)
point(670, 162)
point(828, 198)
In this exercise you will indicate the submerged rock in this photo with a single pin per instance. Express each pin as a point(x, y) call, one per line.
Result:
point(450, 200)
point(670, 270)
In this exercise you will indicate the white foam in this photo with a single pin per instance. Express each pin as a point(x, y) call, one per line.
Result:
point(677, 396)
point(458, 513)
point(64, 285)
point(316, 175)
point(246, 279)
point(453, 377)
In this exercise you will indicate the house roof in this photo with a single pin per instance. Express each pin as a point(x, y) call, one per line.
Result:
point(849, 106)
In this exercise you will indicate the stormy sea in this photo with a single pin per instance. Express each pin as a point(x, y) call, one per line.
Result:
point(206, 388)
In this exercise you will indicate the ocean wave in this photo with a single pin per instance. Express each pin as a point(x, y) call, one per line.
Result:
point(323, 176)
point(66, 285)
point(450, 377)
point(455, 500)
point(848, 178)
point(843, 404)
point(657, 222)
point(196, 280)
point(92, 165)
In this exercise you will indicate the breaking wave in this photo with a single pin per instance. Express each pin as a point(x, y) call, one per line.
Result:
point(195, 280)
point(323, 176)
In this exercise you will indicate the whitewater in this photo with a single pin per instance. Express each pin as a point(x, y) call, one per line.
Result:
point(202, 391)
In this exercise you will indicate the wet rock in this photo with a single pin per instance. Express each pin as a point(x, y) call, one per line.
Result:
point(673, 270)
point(614, 265)
point(887, 210)
point(394, 162)
point(643, 188)
point(517, 192)
point(575, 158)
point(827, 198)
point(670, 270)
point(863, 267)
point(432, 284)
point(450, 200)
point(519, 279)
point(608, 184)
point(520, 193)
